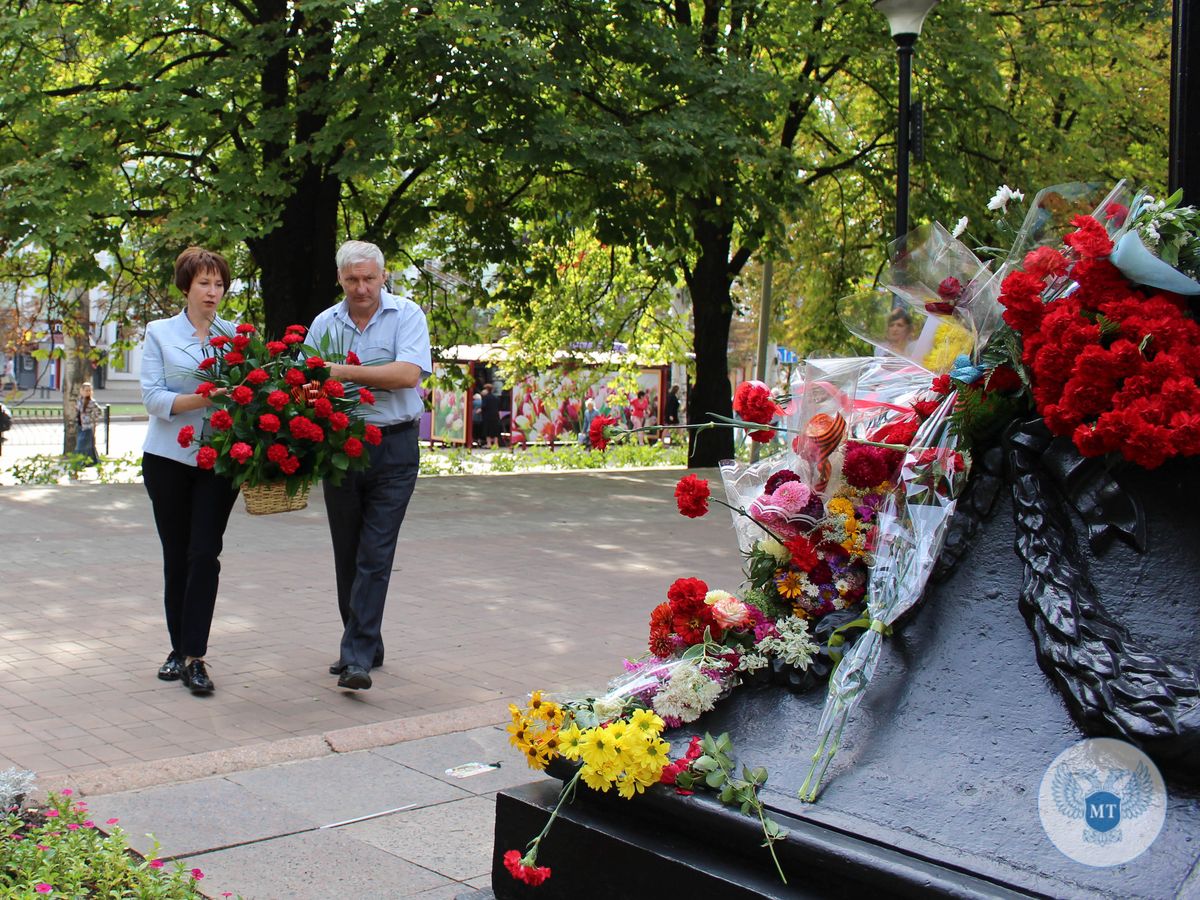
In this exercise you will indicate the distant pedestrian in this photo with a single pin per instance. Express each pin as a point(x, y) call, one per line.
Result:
point(638, 410)
point(671, 413)
point(477, 419)
point(10, 374)
point(390, 335)
point(491, 415)
point(585, 426)
point(191, 504)
point(88, 414)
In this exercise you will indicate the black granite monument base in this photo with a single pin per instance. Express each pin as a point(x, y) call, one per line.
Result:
point(935, 789)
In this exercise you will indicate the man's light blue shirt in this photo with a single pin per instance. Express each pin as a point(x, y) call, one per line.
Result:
point(397, 332)
point(171, 356)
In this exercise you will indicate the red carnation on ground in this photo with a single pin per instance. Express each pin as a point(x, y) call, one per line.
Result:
point(257, 376)
point(269, 422)
point(234, 358)
point(1045, 262)
point(332, 388)
point(221, 420)
point(205, 388)
point(207, 363)
point(373, 435)
point(240, 343)
point(241, 395)
point(315, 362)
point(245, 328)
point(277, 453)
point(295, 377)
point(206, 457)
point(276, 347)
point(186, 433)
point(353, 448)
point(596, 434)
point(866, 466)
point(941, 385)
point(352, 359)
point(517, 868)
point(241, 451)
point(691, 493)
point(278, 399)
point(926, 408)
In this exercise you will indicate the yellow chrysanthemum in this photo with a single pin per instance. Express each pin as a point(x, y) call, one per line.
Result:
point(597, 748)
point(595, 779)
point(534, 731)
point(570, 740)
point(630, 787)
point(646, 721)
point(799, 611)
point(950, 341)
point(790, 584)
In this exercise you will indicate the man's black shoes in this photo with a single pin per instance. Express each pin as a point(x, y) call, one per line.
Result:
point(195, 677)
point(172, 669)
point(356, 678)
point(338, 667)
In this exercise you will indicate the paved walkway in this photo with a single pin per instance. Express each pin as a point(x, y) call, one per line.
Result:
point(502, 584)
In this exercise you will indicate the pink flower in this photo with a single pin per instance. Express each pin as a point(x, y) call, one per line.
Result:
point(156, 863)
point(197, 874)
point(42, 888)
point(792, 497)
point(112, 821)
point(89, 824)
point(72, 826)
point(40, 846)
point(730, 612)
point(66, 792)
point(52, 814)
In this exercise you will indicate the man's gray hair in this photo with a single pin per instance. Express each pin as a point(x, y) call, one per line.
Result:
point(353, 252)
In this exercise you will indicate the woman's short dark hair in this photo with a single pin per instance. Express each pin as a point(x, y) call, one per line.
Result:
point(899, 315)
point(194, 260)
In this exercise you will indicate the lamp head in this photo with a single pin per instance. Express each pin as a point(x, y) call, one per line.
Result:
point(905, 17)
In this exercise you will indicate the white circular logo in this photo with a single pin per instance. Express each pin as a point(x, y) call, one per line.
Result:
point(1102, 802)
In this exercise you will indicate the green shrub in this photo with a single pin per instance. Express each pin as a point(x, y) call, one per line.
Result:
point(58, 851)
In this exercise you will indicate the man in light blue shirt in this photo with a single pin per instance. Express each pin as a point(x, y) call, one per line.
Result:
point(390, 337)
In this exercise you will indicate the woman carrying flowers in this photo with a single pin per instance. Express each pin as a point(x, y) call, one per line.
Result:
point(191, 503)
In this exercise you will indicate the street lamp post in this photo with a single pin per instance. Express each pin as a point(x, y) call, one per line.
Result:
point(905, 18)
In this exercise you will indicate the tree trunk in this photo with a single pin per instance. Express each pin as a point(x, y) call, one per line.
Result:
point(299, 276)
point(712, 311)
point(77, 344)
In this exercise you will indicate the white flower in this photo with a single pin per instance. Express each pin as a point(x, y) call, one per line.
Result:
point(793, 645)
point(689, 694)
point(1004, 194)
point(712, 598)
point(960, 227)
point(776, 549)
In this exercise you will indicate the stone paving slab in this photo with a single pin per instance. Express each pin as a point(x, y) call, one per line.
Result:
point(502, 584)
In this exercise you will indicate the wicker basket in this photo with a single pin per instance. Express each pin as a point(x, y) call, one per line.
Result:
point(265, 499)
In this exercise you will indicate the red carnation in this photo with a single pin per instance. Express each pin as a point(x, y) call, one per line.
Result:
point(1091, 240)
point(241, 451)
point(333, 388)
point(531, 875)
point(1003, 379)
point(941, 385)
point(866, 466)
point(205, 388)
point(293, 338)
point(218, 341)
point(1045, 262)
point(241, 395)
point(691, 493)
point(207, 363)
point(901, 432)
point(206, 457)
point(278, 399)
point(686, 591)
point(373, 435)
point(296, 329)
point(315, 362)
point(257, 376)
point(950, 288)
point(295, 377)
point(353, 448)
point(221, 420)
point(186, 433)
point(276, 347)
point(926, 408)
point(269, 422)
point(245, 328)
point(597, 436)
point(804, 554)
point(277, 453)
point(352, 359)
point(339, 421)
point(364, 396)
point(783, 476)
point(323, 408)
point(752, 402)
point(289, 466)
point(234, 358)
point(241, 342)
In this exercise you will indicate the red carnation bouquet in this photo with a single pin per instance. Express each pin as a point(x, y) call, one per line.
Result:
point(1112, 364)
point(278, 416)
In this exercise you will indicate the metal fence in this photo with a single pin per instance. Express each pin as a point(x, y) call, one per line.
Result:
point(34, 427)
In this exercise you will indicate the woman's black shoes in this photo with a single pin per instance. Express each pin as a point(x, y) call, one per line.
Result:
point(195, 677)
point(172, 669)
